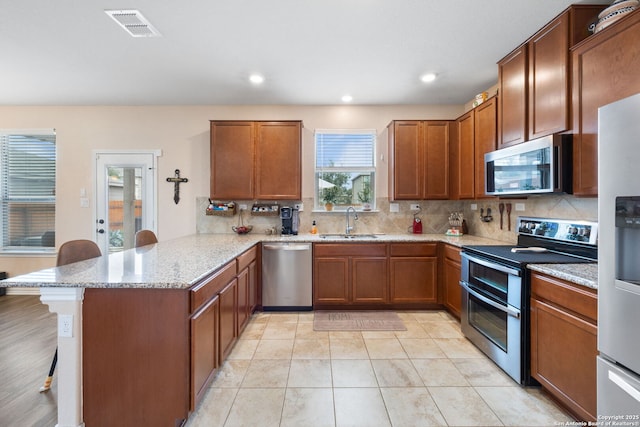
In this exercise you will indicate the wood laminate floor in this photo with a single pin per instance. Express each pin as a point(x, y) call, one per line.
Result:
point(27, 345)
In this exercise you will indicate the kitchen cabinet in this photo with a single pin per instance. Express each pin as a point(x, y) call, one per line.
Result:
point(350, 274)
point(475, 135)
point(512, 113)
point(462, 157)
point(451, 279)
point(564, 342)
point(228, 318)
point(414, 268)
point(419, 159)
point(204, 348)
point(605, 69)
point(256, 160)
point(247, 287)
point(534, 78)
point(485, 140)
point(139, 341)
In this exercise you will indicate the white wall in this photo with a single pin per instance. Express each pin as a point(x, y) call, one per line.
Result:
point(182, 133)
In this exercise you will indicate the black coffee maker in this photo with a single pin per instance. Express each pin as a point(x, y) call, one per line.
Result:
point(290, 219)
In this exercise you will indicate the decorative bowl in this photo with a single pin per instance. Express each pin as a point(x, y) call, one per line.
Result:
point(242, 229)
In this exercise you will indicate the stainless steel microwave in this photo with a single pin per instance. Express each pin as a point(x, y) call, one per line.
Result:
point(539, 166)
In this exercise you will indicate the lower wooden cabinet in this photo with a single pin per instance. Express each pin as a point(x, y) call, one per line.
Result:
point(228, 318)
point(564, 342)
point(358, 275)
point(150, 354)
point(414, 268)
point(204, 348)
point(451, 279)
point(350, 273)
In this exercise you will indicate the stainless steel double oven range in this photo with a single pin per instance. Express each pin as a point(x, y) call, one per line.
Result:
point(495, 285)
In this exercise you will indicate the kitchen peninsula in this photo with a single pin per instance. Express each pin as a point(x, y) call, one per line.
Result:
point(134, 316)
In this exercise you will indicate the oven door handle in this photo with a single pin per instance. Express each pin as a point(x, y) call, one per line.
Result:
point(492, 265)
point(513, 312)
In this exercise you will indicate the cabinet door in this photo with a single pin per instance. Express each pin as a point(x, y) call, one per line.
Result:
point(605, 69)
point(563, 357)
point(331, 281)
point(243, 300)
point(406, 164)
point(512, 111)
point(436, 160)
point(485, 140)
point(414, 279)
point(549, 79)
point(204, 349)
point(278, 161)
point(369, 280)
point(231, 160)
point(228, 308)
point(253, 287)
point(466, 160)
point(452, 291)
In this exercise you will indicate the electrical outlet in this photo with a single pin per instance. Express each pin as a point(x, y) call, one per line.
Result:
point(415, 207)
point(299, 206)
point(243, 207)
point(65, 325)
point(394, 207)
point(520, 206)
point(474, 207)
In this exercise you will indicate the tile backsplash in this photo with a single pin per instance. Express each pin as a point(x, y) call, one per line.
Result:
point(434, 215)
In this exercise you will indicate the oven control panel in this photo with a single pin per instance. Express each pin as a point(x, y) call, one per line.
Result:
point(559, 229)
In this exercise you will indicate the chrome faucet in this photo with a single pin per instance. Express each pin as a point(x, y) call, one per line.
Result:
point(355, 217)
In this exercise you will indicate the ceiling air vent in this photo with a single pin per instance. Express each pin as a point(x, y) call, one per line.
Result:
point(133, 22)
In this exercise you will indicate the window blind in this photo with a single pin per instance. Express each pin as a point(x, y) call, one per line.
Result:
point(27, 190)
point(350, 149)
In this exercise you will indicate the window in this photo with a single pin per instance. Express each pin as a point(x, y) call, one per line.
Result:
point(345, 169)
point(27, 190)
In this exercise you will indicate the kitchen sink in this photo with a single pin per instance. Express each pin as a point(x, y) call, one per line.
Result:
point(348, 236)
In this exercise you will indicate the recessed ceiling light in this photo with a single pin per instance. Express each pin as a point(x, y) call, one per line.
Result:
point(256, 79)
point(426, 78)
point(347, 98)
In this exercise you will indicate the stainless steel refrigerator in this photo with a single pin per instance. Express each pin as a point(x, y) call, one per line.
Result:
point(619, 262)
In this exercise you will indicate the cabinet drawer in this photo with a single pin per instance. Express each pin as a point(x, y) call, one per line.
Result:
point(414, 249)
point(350, 249)
point(452, 252)
point(247, 258)
point(211, 286)
point(580, 300)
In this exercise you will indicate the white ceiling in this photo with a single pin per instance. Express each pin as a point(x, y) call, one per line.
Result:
point(311, 52)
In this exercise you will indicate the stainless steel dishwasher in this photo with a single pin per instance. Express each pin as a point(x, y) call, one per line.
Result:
point(286, 276)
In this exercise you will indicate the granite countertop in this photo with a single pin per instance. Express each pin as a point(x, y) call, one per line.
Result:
point(180, 263)
point(582, 274)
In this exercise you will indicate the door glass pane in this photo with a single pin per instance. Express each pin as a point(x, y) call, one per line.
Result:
point(125, 206)
point(489, 321)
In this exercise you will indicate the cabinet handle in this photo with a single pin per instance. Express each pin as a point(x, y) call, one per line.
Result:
point(625, 386)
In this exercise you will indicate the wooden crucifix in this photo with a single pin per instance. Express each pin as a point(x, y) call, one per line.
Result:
point(176, 185)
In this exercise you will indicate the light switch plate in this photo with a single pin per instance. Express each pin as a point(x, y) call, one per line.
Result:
point(394, 207)
point(474, 207)
point(520, 206)
point(84, 202)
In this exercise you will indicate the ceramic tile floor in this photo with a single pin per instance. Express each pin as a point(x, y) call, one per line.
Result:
point(283, 373)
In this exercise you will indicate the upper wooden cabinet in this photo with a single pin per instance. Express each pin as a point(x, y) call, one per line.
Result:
point(256, 160)
point(419, 160)
point(534, 78)
point(474, 135)
point(605, 69)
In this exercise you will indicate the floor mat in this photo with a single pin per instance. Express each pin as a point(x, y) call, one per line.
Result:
point(357, 321)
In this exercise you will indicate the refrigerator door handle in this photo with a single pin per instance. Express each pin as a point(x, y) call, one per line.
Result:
point(625, 386)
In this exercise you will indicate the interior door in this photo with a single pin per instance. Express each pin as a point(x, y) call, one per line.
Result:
point(125, 198)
